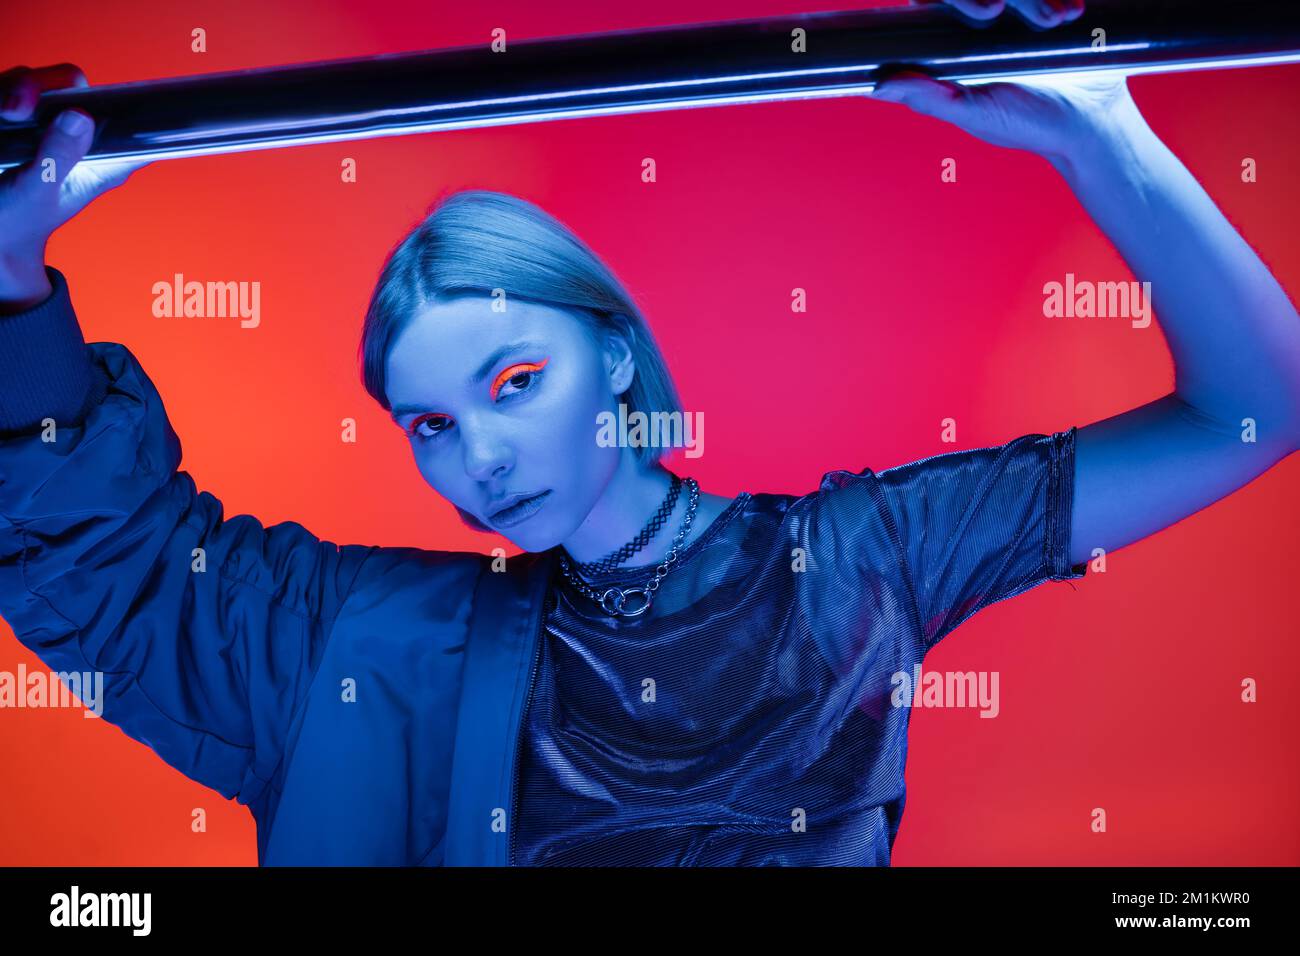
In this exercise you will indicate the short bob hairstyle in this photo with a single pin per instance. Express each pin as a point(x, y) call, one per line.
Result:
point(478, 241)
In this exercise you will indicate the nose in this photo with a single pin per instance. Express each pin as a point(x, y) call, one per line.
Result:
point(488, 455)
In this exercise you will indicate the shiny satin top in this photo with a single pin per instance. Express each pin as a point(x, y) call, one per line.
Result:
point(755, 714)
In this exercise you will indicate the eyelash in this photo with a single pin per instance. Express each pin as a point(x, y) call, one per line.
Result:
point(531, 369)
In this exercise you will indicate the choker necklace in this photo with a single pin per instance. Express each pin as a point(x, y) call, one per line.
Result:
point(613, 560)
point(614, 600)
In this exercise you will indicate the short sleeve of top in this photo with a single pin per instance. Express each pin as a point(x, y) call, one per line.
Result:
point(972, 527)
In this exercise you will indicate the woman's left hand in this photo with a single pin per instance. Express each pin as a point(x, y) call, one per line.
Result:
point(1048, 118)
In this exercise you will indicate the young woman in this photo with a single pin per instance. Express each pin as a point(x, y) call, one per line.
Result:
point(664, 676)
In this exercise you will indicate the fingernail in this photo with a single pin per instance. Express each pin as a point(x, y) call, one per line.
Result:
point(73, 123)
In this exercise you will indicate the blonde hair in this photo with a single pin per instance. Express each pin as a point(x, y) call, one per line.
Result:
point(476, 240)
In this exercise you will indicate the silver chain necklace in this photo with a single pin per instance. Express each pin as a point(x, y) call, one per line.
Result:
point(614, 599)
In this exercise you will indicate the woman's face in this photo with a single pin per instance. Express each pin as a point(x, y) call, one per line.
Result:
point(497, 404)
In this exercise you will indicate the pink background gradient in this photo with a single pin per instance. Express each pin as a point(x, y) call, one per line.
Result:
point(1119, 691)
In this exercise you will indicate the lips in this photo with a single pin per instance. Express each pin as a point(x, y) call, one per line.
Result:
point(517, 508)
point(509, 501)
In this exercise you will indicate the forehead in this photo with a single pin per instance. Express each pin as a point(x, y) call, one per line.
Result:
point(447, 341)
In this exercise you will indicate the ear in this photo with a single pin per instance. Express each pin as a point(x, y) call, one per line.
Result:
point(619, 362)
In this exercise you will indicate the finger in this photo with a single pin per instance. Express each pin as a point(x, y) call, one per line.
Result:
point(63, 144)
point(19, 94)
point(1047, 13)
point(966, 107)
point(59, 76)
point(23, 86)
point(975, 9)
point(1074, 9)
point(924, 94)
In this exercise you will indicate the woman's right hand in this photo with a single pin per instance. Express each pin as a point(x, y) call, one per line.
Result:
point(36, 198)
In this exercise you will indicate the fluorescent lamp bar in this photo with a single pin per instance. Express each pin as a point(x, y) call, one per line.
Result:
point(635, 71)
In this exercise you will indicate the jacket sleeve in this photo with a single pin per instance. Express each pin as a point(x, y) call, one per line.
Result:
point(969, 528)
point(207, 630)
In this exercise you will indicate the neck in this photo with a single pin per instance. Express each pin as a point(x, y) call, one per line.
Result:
point(630, 500)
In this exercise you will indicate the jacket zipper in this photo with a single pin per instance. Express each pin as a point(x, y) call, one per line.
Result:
point(519, 730)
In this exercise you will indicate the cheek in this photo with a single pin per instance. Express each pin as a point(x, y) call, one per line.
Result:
point(560, 448)
point(433, 469)
point(562, 421)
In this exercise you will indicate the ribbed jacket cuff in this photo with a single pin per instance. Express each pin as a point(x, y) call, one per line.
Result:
point(1060, 507)
point(45, 367)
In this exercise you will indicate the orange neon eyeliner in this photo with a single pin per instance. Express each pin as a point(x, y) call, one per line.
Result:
point(500, 380)
point(514, 370)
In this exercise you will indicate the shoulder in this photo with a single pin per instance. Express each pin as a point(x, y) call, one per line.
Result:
point(440, 574)
point(710, 507)
point(707, 511)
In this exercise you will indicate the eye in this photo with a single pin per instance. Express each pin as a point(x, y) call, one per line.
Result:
point(416, 430)
point(522, 378)
point(529, 372)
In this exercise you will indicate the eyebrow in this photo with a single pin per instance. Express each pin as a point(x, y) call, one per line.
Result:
point(505, 351)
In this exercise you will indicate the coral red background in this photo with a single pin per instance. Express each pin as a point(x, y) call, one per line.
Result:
point(1120, 691)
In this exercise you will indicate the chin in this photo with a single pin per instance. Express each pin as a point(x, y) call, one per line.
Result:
point(535, 534)
point(543, 531)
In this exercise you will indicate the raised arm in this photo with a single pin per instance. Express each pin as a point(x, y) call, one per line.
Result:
point(206, 628)
point(1234, 335)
